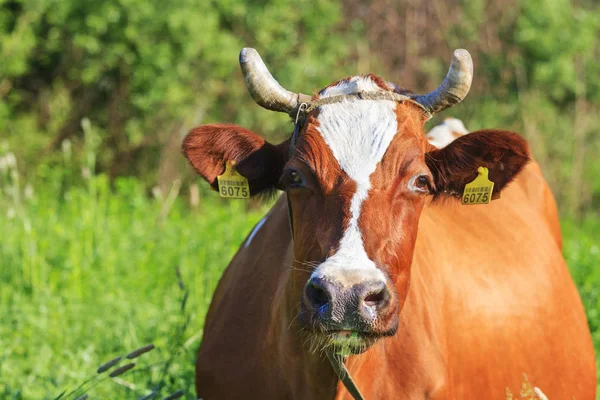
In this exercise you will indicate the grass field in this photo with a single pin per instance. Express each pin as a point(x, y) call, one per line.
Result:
point(88, 272)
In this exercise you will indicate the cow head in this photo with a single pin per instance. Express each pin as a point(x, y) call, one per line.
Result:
point(357, 179)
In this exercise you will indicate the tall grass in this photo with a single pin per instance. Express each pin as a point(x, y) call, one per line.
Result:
point(582, 252)
point(89, 271)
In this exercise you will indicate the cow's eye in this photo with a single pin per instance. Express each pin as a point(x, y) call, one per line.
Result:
point(421, 184)
point(294, 179)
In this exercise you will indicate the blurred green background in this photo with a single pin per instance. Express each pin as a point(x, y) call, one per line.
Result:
point(107, 239)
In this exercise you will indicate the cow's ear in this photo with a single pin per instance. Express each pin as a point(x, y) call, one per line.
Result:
point(209, 147)
point(503, 153)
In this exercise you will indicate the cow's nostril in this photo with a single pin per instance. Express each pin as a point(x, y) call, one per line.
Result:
point(317, 295)
point(374, 299)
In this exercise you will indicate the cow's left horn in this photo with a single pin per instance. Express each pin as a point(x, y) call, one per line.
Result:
point(455, 86)
point(263, 88)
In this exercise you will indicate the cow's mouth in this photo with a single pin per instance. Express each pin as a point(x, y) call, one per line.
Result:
point(346, 337)
point(343, 342)
point(351, 342)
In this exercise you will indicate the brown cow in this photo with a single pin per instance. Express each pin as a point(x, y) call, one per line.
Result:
point(433, 299)
point(446, 132)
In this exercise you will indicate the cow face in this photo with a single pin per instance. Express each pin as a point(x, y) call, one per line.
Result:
point(357, 180)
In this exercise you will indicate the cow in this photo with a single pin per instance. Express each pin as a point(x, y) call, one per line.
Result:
point(370, 255)
point(446, 132)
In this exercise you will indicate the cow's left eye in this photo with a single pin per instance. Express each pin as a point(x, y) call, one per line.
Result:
point(420, 184)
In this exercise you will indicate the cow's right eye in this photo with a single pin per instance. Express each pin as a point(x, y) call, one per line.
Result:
point(420, 184)
point(294, 179)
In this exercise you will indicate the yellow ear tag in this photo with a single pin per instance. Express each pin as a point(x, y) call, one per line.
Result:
point(232, 185)
point(480, 190)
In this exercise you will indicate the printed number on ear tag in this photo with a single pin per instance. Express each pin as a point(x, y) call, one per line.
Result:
point(232, 185)
point(480, 190)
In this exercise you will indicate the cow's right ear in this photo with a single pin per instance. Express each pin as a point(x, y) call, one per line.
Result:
point(209, 147)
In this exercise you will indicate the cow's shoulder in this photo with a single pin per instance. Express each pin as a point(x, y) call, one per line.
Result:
point(235, 351)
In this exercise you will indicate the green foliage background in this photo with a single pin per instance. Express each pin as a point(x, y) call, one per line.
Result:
point(96, 211)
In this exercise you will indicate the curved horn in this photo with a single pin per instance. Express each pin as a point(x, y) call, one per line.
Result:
point(455, 86)
point(263, 88)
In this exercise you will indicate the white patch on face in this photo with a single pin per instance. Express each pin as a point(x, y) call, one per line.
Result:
point(255, 230)
point(358, 132)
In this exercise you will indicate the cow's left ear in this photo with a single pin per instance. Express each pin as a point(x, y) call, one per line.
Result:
point(503, 153)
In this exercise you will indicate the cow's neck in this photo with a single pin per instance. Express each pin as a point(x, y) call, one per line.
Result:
point(308, 374)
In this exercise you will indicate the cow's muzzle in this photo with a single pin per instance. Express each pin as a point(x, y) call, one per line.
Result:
point(353, 316)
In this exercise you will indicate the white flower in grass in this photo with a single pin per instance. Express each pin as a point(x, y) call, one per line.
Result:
point(66, 147)
point(28, 192)
point(157, 193)
point(86, 173)
point(27, 225)
point(11, 160)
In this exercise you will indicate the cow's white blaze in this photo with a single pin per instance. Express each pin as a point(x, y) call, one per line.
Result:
point(358, 132)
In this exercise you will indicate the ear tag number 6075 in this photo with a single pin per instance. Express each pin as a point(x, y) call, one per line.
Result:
point(232, 185)
point(480, 190)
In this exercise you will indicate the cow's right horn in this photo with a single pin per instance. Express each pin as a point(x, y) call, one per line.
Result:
point(264, 89)
point(455, 86)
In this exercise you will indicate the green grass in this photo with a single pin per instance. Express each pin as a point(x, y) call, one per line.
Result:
point(581, 247)
point(88, 272)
